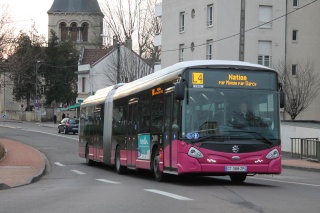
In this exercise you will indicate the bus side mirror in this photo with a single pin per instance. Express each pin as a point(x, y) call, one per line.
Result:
point(281, 99)
point(179, 89)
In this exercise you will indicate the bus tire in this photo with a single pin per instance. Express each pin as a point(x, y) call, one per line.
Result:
point(238, 178)
point(158, 175)
point(89, 162)
point(119, 168)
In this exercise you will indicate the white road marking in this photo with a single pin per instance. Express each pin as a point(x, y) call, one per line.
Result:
point(78, 172)
point(30, 130)
point(178, 197)
point(58, 164)
point(290, 182)
point(108, 181)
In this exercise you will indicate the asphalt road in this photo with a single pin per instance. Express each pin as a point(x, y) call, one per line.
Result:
point(71, 186)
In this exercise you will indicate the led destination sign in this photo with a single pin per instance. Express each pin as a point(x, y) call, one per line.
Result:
point(204, 78)
point(238, 80)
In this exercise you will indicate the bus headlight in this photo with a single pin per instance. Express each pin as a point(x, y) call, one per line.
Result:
point(193, 152)
point(273, 154)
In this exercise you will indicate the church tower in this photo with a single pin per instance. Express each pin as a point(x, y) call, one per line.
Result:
point(82, 20)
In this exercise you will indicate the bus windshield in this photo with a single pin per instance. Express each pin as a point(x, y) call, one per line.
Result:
point(218, 114)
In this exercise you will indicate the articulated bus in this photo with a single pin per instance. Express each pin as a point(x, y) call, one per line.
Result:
point(181, 120)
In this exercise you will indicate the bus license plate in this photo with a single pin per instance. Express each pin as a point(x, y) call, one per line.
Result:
point(235, 168)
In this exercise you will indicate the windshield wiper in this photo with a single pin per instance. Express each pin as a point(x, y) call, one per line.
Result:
point(257, 133)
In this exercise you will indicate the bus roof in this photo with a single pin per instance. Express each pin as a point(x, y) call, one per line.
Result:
point(172, 72)
point(165, 75)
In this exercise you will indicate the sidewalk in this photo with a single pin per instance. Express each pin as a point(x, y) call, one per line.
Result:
point(24, 165)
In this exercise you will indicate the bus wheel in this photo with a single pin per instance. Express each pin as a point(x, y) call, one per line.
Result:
point(238, 178)
point(158, 175)
point(89, 162)
point(119, 168)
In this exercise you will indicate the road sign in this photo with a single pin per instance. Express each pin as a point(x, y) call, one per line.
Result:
point(4, 117)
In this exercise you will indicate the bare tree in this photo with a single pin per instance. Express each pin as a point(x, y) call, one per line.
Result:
point(129, 64)
point(148, 27)
point(121, 17)
point(6, 32)
point(300, 88)
point(6, 41)
point(134, 20)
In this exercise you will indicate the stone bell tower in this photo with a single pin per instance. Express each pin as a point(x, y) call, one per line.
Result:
point(81, 20)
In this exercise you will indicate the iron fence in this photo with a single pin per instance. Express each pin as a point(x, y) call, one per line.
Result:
point(306, 148)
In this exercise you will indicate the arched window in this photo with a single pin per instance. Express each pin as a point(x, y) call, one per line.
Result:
point(74, 31)
point(63, 31)
point(84, 31)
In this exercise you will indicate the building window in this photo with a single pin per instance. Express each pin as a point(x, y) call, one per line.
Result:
point(181, 52)
point(294, 70)
point(84, 32)
point(210, 15)
point(295, 3)
point(181, 27)
point(295, 35)
point(63, 31)
point(265, 16)
point(264, 53)
point(43, 89)
point(209, 49)
point(83, 84)
point(74, 32)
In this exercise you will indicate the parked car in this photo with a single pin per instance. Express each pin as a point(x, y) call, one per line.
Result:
point(68, 125)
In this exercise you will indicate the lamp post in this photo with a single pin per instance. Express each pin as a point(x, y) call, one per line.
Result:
point(37, 66)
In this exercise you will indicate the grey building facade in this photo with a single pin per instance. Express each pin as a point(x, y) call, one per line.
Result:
point(274, 32)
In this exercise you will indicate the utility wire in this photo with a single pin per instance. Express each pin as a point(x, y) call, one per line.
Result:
point(247, 29)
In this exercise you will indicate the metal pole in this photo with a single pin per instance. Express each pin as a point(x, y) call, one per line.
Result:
point(242, 30)
point(38, 64)
point(118, 63)
point(4, 91)
point(36, 72)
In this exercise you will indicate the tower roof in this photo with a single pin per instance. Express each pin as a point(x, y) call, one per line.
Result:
point(75, 6)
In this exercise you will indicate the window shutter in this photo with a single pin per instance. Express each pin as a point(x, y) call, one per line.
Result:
point(265, 15)
point(264, 48)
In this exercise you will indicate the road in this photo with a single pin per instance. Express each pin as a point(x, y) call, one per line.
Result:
point(71, 186)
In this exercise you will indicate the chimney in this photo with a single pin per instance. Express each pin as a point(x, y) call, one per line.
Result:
point(115, 42)
point(129, 43)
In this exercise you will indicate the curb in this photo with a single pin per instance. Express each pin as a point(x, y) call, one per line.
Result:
point(33, 179)
point(301, 168)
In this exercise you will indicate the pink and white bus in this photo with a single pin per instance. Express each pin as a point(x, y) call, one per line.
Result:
point(182, 120)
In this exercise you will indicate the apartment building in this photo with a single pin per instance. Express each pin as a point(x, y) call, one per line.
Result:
point(209, 29)
point(303, 44)
point(273, 32)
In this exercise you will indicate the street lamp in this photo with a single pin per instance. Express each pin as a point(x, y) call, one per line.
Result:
point(37, 66)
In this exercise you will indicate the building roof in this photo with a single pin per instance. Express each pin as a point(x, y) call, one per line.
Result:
point(75, 6)
point(90, 56)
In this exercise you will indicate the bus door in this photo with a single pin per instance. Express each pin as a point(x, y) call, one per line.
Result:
point(171, 129)
point(132, 145)
point(97, 146)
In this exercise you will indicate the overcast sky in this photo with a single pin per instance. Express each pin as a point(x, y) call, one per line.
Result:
point(26, 12)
